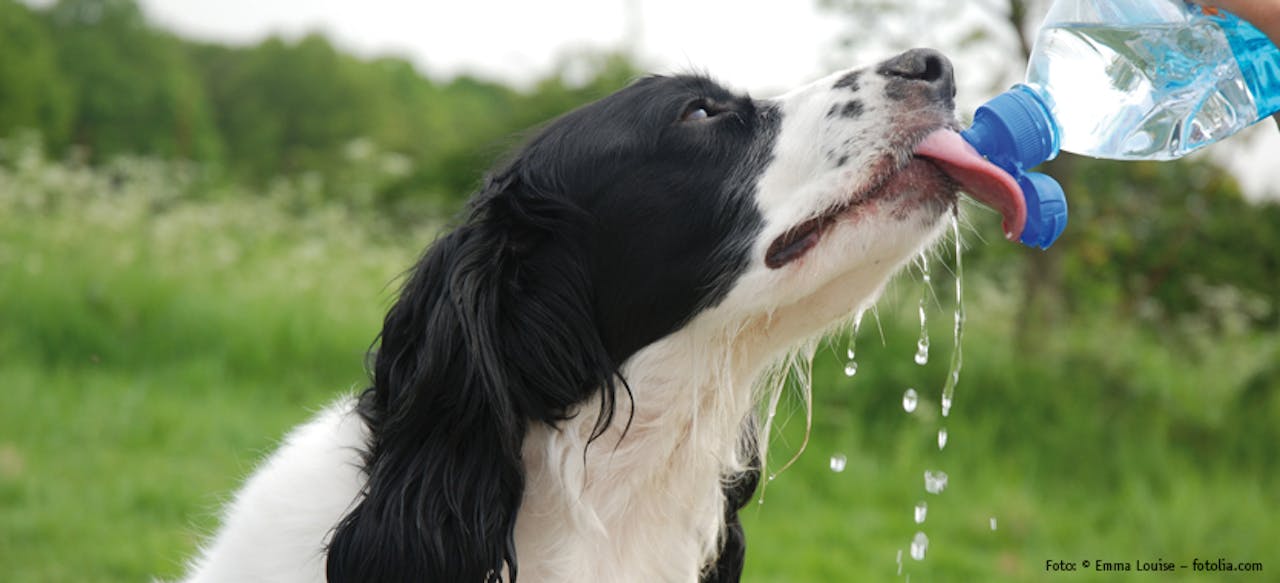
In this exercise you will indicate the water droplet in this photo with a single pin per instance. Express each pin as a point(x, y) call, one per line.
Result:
point(942, 438)
point(922, 350)
point(851, 368)
point(935, 482)
point(922, 510)
point(838, 462)
point(909, 400)
point(993, 523)
point(773, 477)
point(919, 545)
point(899, 562)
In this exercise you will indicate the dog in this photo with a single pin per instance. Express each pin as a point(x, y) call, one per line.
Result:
point(569, 387)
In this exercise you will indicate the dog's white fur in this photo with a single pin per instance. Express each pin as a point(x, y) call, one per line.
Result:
point(646, 506)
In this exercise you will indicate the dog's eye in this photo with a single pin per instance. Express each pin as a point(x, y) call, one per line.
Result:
point(698, 110)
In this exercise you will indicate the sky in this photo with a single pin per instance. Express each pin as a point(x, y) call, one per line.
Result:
point(759, 45)
point(765, 47)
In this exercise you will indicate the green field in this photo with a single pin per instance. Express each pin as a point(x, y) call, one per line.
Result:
point(157, 337)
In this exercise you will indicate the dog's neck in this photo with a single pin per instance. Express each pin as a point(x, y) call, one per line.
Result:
point(645, 497)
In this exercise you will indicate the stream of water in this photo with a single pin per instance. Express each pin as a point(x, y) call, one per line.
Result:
point(935, 481)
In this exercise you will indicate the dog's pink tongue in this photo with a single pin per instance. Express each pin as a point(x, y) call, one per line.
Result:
point(981, 179)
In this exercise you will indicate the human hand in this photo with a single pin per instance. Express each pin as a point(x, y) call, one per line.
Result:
point(1264, 14)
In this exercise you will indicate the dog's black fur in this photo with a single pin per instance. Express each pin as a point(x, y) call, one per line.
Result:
point(610, 229)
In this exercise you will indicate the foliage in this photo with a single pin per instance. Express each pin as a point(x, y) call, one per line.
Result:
point(163, 330)
point(33, 92)
point(158, 332)
point(94, 76)
point(134, 93)
point(1164, 243)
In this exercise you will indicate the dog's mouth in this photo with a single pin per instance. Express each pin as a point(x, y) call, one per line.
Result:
point(941, 152)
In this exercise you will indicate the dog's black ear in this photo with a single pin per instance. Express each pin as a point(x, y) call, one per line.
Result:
point(493, 331)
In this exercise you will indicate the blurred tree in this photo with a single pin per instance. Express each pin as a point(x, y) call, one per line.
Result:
point(289, 107)
point(33, 92)
point(285, 107)
point(96, 74)
point(473, 122)
point(135, 91)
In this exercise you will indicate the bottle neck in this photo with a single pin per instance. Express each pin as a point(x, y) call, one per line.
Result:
point(1016, 130)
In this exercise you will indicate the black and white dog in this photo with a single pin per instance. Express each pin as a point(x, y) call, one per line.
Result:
point(566, 389)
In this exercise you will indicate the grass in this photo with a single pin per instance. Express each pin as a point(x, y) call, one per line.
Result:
point(156, 338)
point(1073, 467)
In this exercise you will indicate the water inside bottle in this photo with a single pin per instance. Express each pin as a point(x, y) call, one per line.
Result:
point(1141, 92)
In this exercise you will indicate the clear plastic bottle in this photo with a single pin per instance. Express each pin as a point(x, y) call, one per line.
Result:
point(1151, 79)
point(1125, 80)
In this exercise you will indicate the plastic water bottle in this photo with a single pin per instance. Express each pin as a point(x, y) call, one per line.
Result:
point(1125, 80)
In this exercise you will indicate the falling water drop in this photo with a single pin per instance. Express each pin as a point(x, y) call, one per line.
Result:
point(942, 438)
point(922, 510)
point(838, 462)
point(899, 562)
point(922, 348)
point(851, 368)
point(935, 482)
point(909, 400)
point(919, 545)
point(993, 523)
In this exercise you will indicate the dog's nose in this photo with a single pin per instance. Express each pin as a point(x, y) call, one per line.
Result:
point(924, 65)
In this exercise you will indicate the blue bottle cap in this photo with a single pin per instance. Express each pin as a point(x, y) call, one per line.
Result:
point(1046, 209)
point(1015, 129)
point(1016, 132)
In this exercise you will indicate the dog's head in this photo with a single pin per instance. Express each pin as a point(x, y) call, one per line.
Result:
point(692, 196)
point(618, 224)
